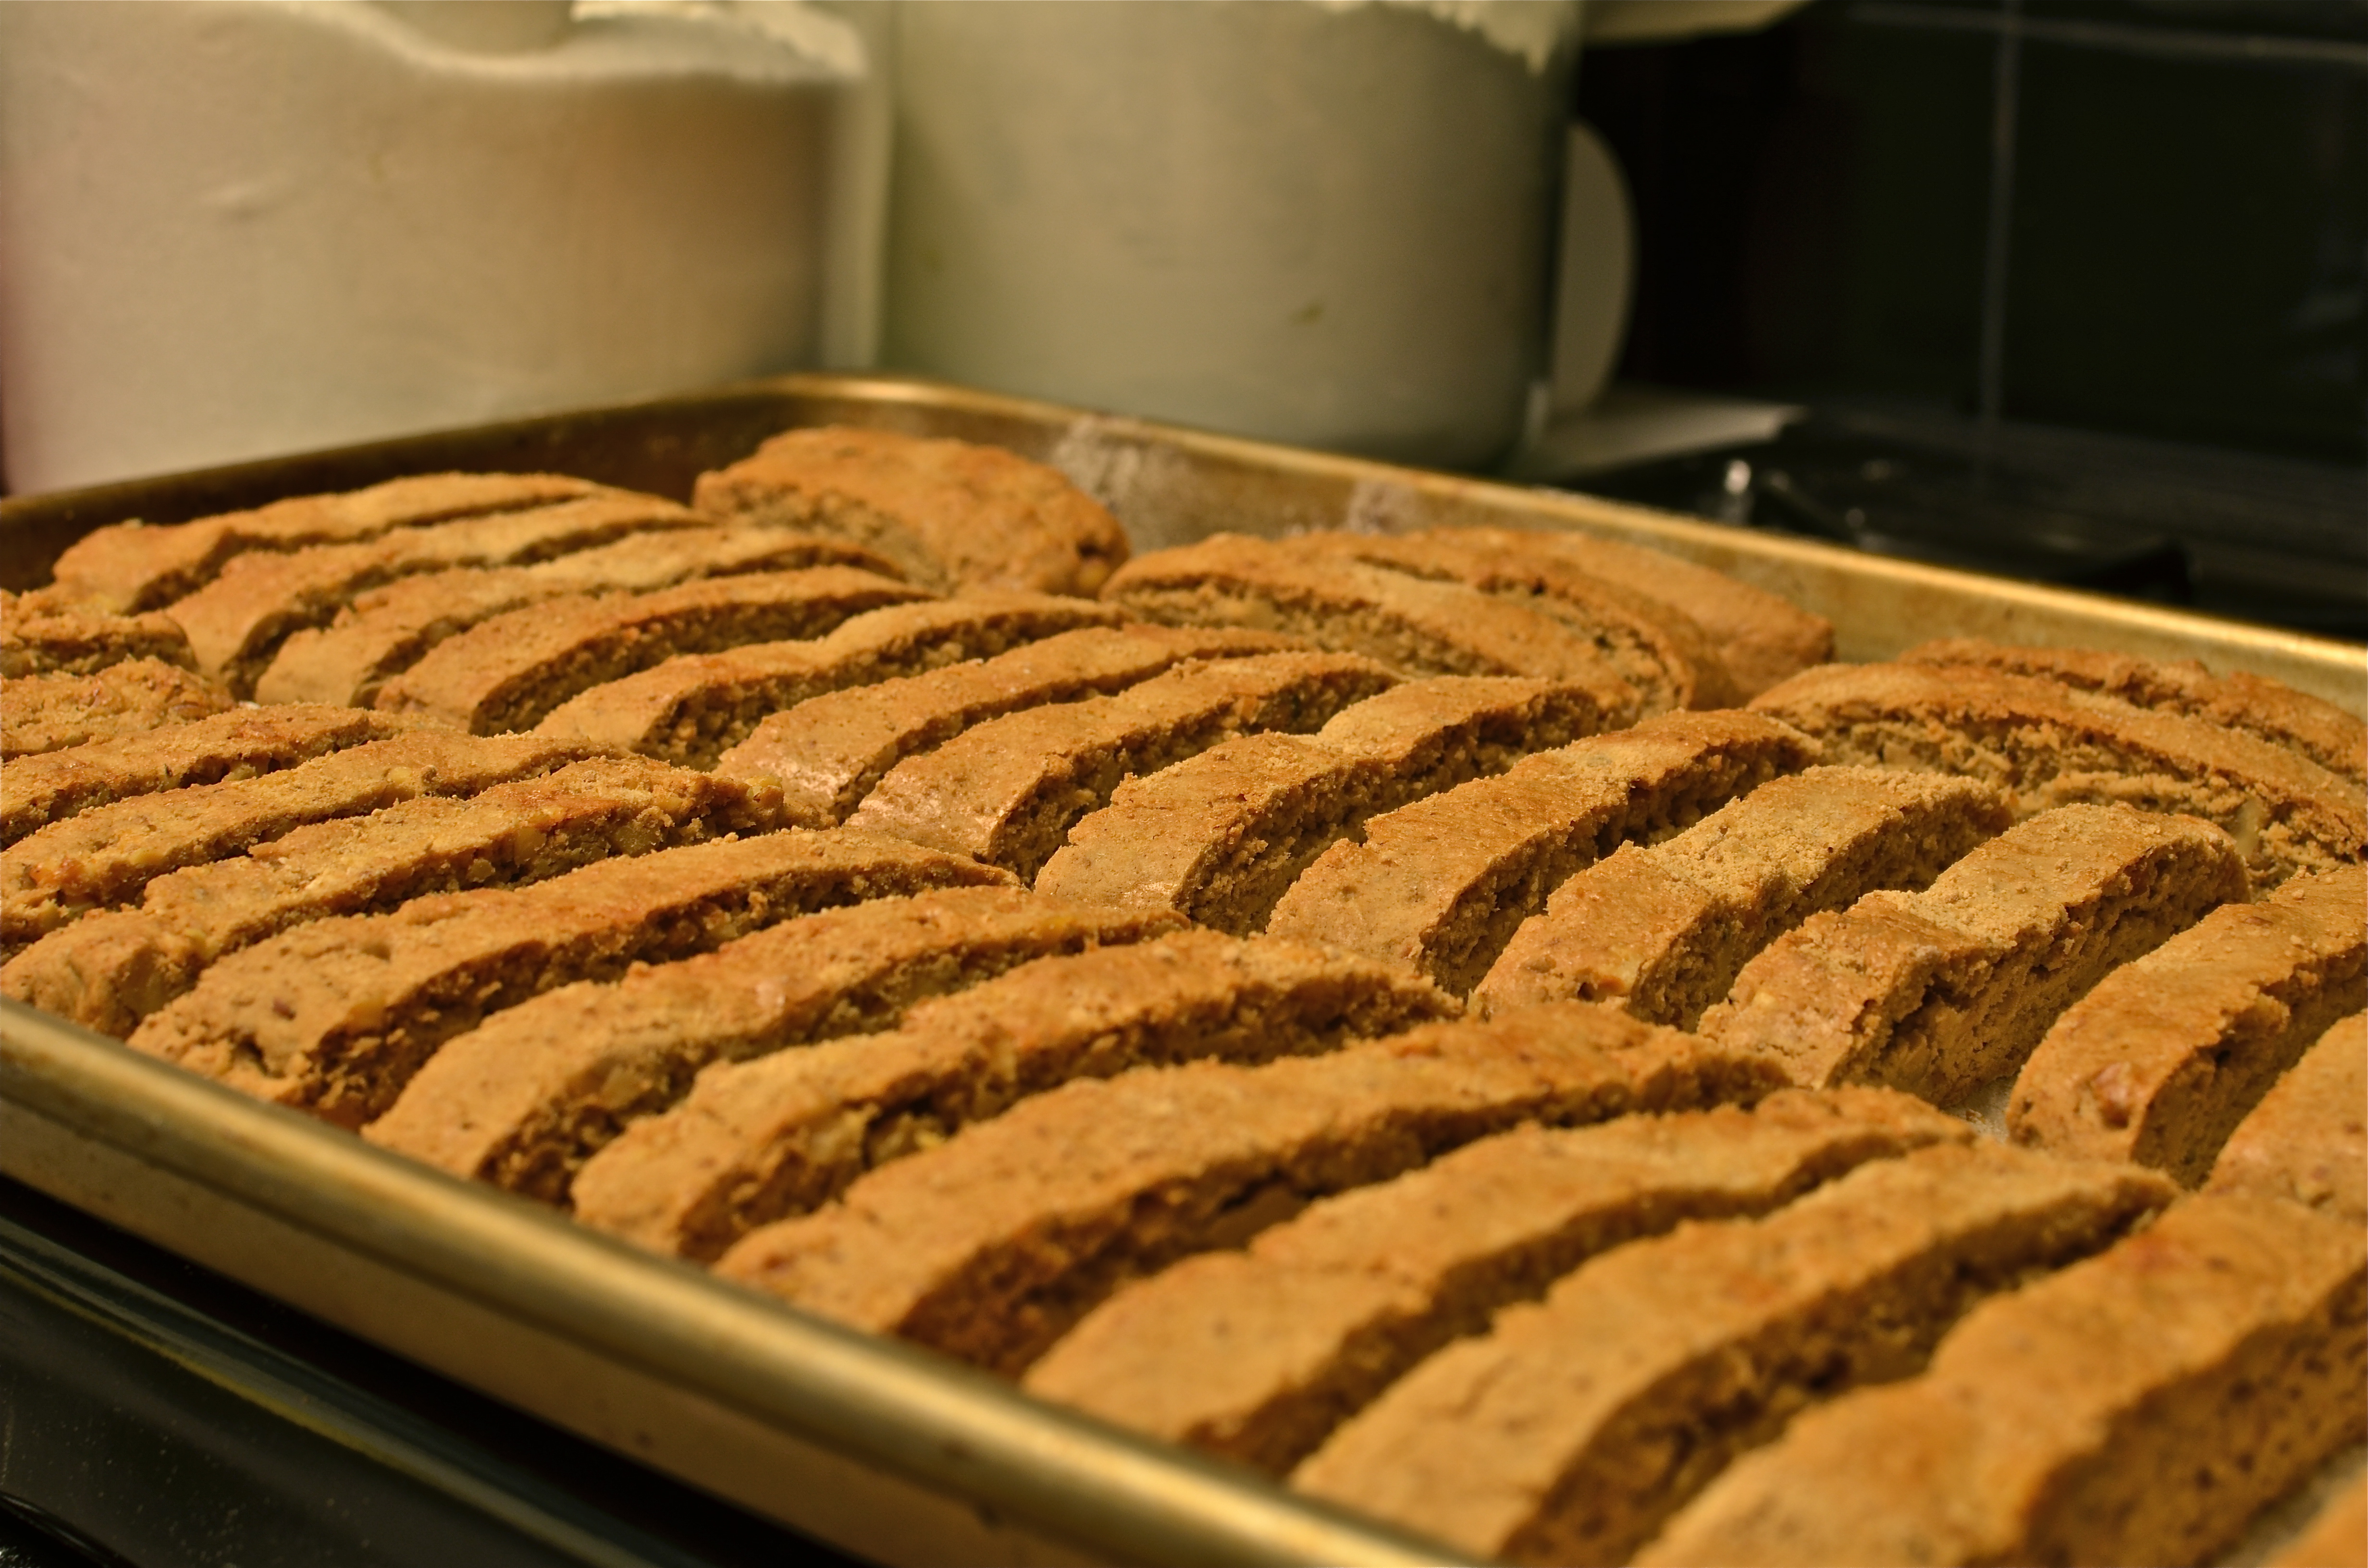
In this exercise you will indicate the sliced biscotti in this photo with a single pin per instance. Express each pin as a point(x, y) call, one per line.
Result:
point(1221, 835)
point(693, 709)
point(2051, 746)
point(1662, 931)
point(831, 751)
point(1656, 649)
point(1008, 790)
point(2308, 1140)
point(1761, 637)
point(992, 1245)
point(241, 744)
point(238, 622)
point(1943, 991)
point(386, 631)
point(1414, 625)
point(508, 672)
point(953, 515)
point(107, 856)
point(2271, 709)
point(110, 969)
point(2163, 1059)
point(1442, 883)
point(1575, 1426)
point(1258, 1354)
point(2136, 1407)
point(335, 1017)
point(139, 566)
point(46, 714)
point(49, 632)
point(525, 1098)
point(762, 1140)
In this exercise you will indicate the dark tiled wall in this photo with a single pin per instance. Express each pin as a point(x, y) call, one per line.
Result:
point(2143, 218)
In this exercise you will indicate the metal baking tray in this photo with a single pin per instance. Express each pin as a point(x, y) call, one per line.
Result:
point(887, 1451)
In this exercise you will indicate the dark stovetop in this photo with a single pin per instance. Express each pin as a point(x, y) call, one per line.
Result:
point(152, 1413)
point(2270, 540)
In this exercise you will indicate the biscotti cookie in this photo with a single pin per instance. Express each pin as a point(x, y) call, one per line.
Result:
point(952, 515)
point(1656, 649)
point(525, 1098)
point(1258, 1354)
point(1940, 993)
point(829, 752)
point(2271, 709)
point(47, 632)
point(2138, 1407)
point(2051, 746)
point(106, 856)
point(2163, 1059)
point(335, 1017)
point(111, 969)
point(1411, 624)
point(1662, 931)
point(238, 622)
point(1761, 637)
point(47, 713)
point(386, 631)
point(992, 1245)
point(2308, 1140)
point(139, 566)
point(1221, 835)
point(1441, 884)
point(760, 1141)
point(692, 709)
point(1575, 1428)
point(507, 673)
point(241, 744)
point(1008, 790)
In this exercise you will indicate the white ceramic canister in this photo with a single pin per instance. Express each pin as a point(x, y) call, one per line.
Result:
point(236, 229)
point(1311, 221)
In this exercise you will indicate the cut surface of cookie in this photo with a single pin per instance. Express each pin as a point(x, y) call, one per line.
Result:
point(50, 713)
point(1414, 625)
point(525, 1098)
point(2051, 746)
point(107, 856)
point(952, 515)
point(1659, 649)
point(47, 631)
point(241, 744)
point(238, 622)
point(507, 673)
point(692, 709)
point(2269, 710)
point(1575, 1428)
point(1258, 1354)
point(386, 631)
point(1221, 836)
point(2165, 1057)
point(760, 1141)
point(335, 1017)
point(1443, 883)
point(110, 969)
point(141, 566)
point(991, 1246)
point(831, 751)
point(1008, 790)
point(2136, 1407)
point(2308, 1140)
point(1662, 931)
point(1943, 992)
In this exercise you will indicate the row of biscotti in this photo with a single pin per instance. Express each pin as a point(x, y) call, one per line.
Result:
point(1325, 1265)
point(70, 674)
